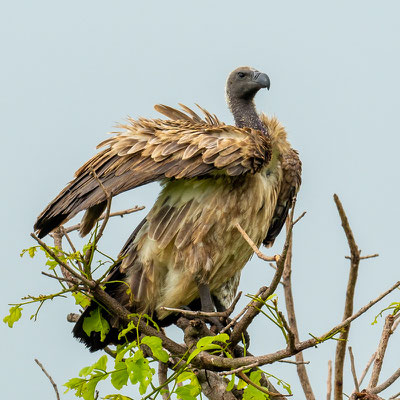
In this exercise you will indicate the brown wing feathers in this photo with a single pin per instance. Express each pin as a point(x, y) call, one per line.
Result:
point(148, 150)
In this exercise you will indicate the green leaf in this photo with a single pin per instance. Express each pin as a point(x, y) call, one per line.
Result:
point(81, 299)
point(117, 397)
point(139, 371)
point(222, 337)
point(155, 344)
point(119, 377)
point(76, 384)
point(231, 383)
point(241, 384)
point(95, 322)
point(252, 393)
point(131, 326)
point(31, 251)
point(121, 351)
point(14, 316)
point(100, 364)
point(88, 393)
point(184, 393)
point(52, 264)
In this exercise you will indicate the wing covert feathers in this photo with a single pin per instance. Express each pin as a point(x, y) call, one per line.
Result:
point(147, 150)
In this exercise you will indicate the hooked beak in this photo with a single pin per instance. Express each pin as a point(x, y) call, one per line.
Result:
point(261, 79)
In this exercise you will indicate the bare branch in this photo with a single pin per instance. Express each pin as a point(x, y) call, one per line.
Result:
point(50, 378)
point(255, 308)
point(329, 381)
point(234, 319)
point(394, 396)
point(114, 214)
point(294, 362)
point(299, 218)
point(190, 313)
point(364, 373)
point(387, 383)
point(289, 301)
point(364, 257)
point(353, 370)
point(348, 308)
point(61, 263)
point(253, 246)
point(162, 379)
point(380, 352)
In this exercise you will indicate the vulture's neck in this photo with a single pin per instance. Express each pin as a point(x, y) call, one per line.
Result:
point(245, 114)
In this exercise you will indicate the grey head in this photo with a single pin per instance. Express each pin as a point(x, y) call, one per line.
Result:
point(241, 86)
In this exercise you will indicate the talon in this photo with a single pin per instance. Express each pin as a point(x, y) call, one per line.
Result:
point(277, 257)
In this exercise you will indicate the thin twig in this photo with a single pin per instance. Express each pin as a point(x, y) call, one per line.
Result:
point(48, 376)
point(291, 342)
point(364, 257)
point(394, 396)
point(225, 313)
point(329, 381)
point(349, 302)
point(369, 363)
point(61, 263)
point(64, 232)
point(253, 245)
point(294, 362)
point(234, 319)
point(260, 388)
point(380, 352)
point(58, 278)
point(289, 301)
point(255, 308)
point(299, 218)
point(353, 370)
point(114, 214)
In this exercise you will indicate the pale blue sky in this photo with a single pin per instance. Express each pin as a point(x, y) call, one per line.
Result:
point(71, 70)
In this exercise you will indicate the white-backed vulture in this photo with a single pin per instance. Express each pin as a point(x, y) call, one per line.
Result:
point(213, 176)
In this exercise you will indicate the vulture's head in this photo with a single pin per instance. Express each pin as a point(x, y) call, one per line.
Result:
point(244, 83)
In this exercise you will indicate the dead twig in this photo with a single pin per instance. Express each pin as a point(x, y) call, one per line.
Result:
point(289, 301)
point(299, 218)
point(114, 214)
point(329, 381)
point(190, 313)
point(348, 308)
point(260, 388)
point(353, 370)
point(294, 362)
point(234, 319)
point(75, 274)
point(364, 373)
point(380, 352)
point(364, 257)
point(49, 377)
point(253, 246)
point(256, 306)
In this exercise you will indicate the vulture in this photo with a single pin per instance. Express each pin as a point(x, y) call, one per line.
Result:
point(213, 176)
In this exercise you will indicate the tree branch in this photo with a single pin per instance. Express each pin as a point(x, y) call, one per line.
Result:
point(380, 352)
point(50, 378)
point(348, 308)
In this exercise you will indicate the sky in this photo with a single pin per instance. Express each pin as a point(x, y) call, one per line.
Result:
point(71, 70)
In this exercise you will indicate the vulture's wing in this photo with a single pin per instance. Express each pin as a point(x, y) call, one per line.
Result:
point(291, 180)
point(147, 150)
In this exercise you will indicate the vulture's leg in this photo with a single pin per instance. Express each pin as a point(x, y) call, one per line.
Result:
point(207, 305)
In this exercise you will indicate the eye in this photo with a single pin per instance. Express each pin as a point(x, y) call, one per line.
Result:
point(241, 74)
